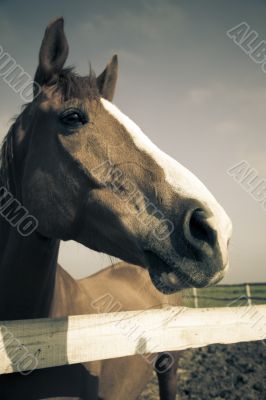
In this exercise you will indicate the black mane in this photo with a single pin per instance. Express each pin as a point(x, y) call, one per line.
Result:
point(6, 157)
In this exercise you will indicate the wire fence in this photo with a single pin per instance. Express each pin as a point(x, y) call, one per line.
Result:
point(226, 295)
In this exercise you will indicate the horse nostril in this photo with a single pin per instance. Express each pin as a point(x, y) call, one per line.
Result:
point(198, 231)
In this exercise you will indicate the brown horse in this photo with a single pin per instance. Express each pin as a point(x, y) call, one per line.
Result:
point(74, 163)
point(122, 287)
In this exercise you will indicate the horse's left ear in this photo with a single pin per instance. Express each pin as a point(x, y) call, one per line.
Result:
point(106, 82)
point(53, 53)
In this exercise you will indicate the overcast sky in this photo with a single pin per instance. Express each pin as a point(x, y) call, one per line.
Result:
point(192, 90)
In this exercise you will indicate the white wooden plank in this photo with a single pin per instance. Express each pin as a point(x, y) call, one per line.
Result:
point(68, 340)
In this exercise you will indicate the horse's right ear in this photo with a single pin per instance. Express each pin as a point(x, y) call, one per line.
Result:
point(53, 53)
point(106, 81)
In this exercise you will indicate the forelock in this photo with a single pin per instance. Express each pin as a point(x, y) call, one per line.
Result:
point(71, 85)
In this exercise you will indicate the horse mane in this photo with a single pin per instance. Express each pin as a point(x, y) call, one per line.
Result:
point(6, 156)
point(70, 85)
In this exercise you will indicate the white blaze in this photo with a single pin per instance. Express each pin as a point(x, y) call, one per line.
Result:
point(180, 178)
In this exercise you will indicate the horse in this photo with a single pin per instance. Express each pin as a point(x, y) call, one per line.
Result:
point(75, 167)
point(119, 287)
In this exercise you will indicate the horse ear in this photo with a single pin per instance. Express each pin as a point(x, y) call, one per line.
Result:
point(53, 53)
point(106, 82)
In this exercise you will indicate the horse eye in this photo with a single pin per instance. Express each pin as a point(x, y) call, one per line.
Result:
point(74, 118)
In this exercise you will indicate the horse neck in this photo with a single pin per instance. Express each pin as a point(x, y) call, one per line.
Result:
point(27, 265)
point(27, 274)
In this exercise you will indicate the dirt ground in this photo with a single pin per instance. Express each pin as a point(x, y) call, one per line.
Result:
point(232, 372)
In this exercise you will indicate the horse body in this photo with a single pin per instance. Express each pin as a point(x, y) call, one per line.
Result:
point(121, 287)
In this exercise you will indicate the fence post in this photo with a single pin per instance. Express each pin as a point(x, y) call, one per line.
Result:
point(248, 292)
point(196, 302)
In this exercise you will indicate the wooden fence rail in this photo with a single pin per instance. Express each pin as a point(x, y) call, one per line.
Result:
point(40, 343)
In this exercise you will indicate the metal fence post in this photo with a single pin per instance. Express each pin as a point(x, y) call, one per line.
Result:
point(248, 292)
point(196, 302)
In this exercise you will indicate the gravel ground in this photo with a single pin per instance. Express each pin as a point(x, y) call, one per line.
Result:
point(231, 372)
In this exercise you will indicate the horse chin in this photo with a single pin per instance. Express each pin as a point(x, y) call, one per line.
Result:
point(164, 278)
point(162, 283)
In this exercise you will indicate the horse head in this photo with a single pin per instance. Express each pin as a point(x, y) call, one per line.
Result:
point(88, 173)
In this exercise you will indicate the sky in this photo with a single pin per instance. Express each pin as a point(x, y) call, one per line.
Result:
point(190, 88)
